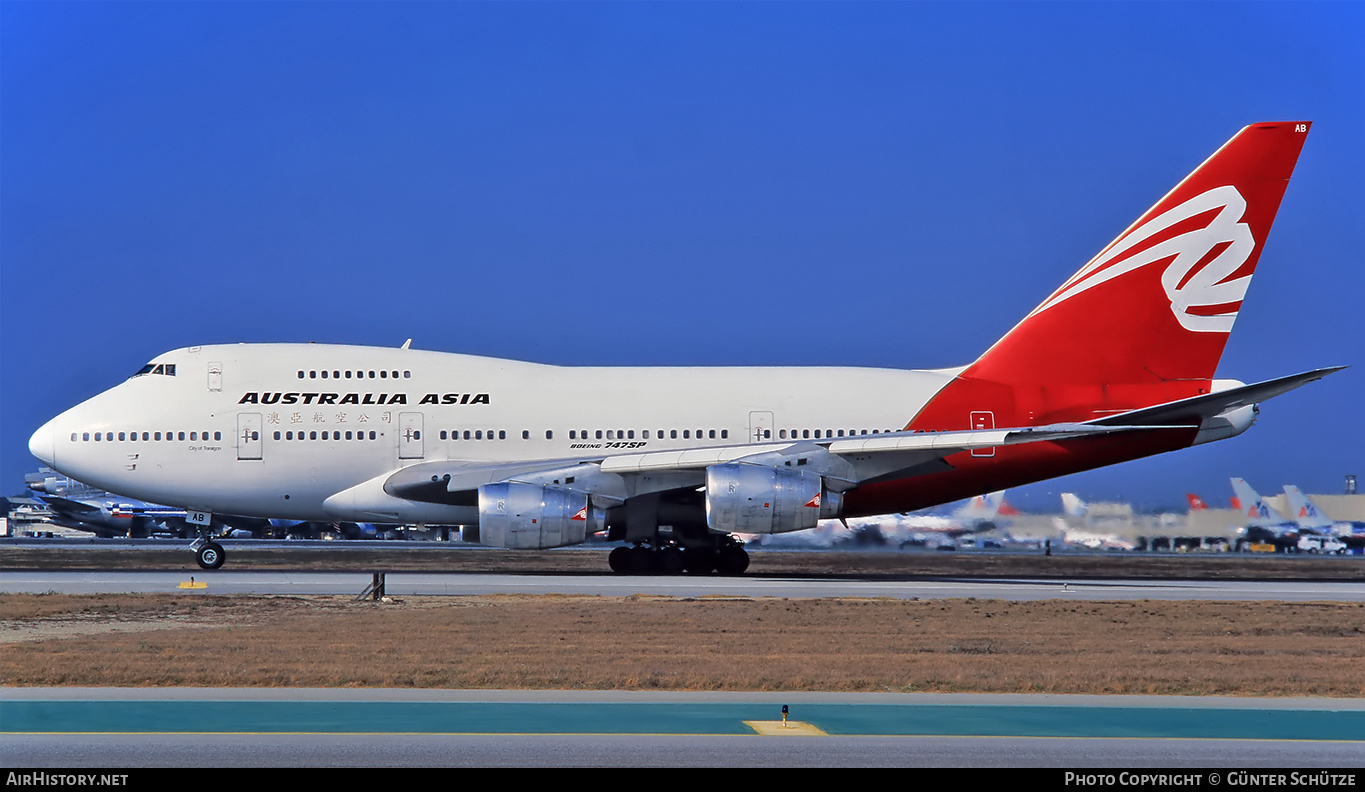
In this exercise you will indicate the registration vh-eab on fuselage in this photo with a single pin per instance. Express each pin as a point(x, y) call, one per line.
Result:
point(1118, 363)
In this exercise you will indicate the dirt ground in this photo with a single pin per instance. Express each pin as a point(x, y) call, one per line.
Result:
point(664, 643)
point(708, 643)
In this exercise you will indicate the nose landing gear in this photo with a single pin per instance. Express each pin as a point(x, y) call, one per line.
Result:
point(208, 553)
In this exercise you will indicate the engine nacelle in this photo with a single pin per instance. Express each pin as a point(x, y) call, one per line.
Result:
point(765, 500)
point(531, 517)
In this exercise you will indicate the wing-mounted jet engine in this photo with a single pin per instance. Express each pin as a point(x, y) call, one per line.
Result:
point(532, 517)
point(757, 499)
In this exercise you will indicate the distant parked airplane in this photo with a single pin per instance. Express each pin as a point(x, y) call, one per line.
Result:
point(979, 514)
point(1196, 503)
point(1076, 529)
point(1262, 523)
point(1310, 517)
point(84, 508)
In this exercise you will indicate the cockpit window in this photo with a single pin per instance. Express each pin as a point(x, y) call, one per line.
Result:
point(157, 368)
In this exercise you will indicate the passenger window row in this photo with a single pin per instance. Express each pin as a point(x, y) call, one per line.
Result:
point(583, 434)
point(326, 435)
point(86, 437)
point(671, 434)
point(482, 434)
point(645, 434)
point(805, 434)
point(478, 434)
point(339, 374)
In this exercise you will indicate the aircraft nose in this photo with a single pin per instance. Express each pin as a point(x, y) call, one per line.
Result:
point(43, 444)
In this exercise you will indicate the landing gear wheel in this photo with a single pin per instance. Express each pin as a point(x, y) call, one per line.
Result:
point(642, 561)
point(733, 560)
point(211, 555)
point(619, 560)
point(699, 560)
point(671, 561)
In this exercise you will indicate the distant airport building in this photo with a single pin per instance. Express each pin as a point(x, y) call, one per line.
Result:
point(1215, 522)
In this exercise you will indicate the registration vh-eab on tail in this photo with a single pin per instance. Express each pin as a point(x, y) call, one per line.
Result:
point(1118, 363)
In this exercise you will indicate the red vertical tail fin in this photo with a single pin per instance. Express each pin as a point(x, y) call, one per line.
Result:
point(1146, 320)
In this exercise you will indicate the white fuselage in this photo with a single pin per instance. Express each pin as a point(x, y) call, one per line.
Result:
point(274, 430)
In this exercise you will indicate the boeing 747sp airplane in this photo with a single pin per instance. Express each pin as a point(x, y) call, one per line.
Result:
point(1118, 363)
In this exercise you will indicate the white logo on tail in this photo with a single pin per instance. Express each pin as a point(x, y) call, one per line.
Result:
point(1203, 300)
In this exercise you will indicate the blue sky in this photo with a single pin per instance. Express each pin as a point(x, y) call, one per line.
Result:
point(874, 184)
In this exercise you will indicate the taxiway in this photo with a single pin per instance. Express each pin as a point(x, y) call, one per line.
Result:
point(469, 584)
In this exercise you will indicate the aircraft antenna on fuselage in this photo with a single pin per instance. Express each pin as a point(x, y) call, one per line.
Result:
point(406, 344)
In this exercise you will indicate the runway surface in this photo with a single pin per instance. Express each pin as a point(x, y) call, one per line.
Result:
point(189, 728)
point(412, 584)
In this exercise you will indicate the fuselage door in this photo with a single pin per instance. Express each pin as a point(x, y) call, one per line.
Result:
point(410, 435)
point(760, 426)
point(249, 436)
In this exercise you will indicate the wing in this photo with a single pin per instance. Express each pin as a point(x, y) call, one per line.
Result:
point(842, 462)
point(68, 506)
point(764, 487)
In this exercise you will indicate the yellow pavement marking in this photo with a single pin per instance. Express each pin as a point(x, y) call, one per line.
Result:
point(789, 729)
point(193, 584)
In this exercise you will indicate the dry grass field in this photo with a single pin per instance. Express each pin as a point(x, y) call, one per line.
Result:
point(660, 643)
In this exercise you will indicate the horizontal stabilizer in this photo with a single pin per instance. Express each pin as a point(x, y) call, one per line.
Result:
point(1197, 408)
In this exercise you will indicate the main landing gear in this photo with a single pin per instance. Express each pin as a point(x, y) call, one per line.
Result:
point(727, 557)
point(208, 553)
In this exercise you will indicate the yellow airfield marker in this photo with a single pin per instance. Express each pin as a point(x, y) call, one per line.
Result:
point(788, 729)
point(190, 584)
